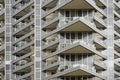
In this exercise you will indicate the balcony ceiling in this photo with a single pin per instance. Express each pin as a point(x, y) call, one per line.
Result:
point(77, 26)
point(78, 73)
point(77, 4)
point(51, 4)
point(77, 49)
point(2, 16)
point(1, 1)
point(99, 3)
point(25, 70)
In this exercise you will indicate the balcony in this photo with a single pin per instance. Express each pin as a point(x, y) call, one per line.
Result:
point(20, 44)
point(27, 37)
point(100, 21)
point(23, 48)
point(2, 11)
point(117, 23)
point(75, 70)
point(61, 4)
point(53, 64)
point(100, 43)
point(2, 77)
point(25, 75)
point(49, 3)
point(100, 65)
point(72, 24)
point(23, 28)
point(74, 4)
point(51, 23)
point(116, 6)
point(117, 45)
point(101, 3)
point(23, 57)
point(2, 47)
point(117, 74)
point(116, 55)
point(116, 16)
point(23, 66)
point(22, 8)
point(51, 45)
point(19, 25)
point(23, 18)
point(117, 35)
point(78, 46)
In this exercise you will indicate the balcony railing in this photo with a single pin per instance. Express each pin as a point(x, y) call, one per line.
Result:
point(52, 62)
point(66, 20)
point(118, 41)
point(19, 25)
point(20, 5)
point(87, 67)
point(100, 41)
point(20, 44)
point(63, 45)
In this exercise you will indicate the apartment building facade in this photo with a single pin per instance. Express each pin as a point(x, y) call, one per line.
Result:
point(60, 39)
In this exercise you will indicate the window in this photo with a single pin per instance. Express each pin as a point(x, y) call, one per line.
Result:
point(79, 35)
point(67, 13)
point(72, 59)
point(80, 13)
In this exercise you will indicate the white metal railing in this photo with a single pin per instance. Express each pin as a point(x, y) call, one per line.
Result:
point(117, 41)
point(20, 5)
point(20, 44)
point(20, 63)
point(99, 40)
point(87, 67)
point(19, 25)
point(63, 45)
point(65, 20)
